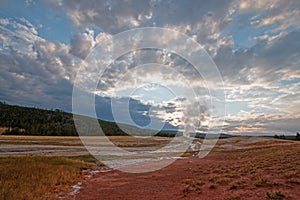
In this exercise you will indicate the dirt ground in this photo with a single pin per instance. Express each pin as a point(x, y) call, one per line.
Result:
point(240, 168)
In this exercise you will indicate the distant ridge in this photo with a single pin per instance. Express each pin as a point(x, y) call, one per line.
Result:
point(221, 136)
point(20, 120)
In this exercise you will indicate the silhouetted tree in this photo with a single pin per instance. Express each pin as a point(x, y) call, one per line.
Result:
point(297, 136)
point(282, 136)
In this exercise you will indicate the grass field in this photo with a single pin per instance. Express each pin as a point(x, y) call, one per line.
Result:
point(43, 177)
point(121, 141)
point(266, 166)
point(33, 178)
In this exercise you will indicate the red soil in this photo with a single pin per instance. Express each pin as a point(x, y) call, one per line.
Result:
point(217, 176)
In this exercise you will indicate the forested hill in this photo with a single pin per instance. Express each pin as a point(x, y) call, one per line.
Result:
point(34, 121)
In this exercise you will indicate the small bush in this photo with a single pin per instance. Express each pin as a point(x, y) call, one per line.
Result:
point(232, 176)
point(223, 181)
point(261, 182)
point(236, 185)
point(234, 198)
point(275, 196)
point(212, 187)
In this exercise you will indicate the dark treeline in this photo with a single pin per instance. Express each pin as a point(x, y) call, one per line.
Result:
point(288, 137)
point(34, 121)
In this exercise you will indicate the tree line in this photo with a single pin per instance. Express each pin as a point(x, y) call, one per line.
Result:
point(296, 137)
point(21, 120)
point(34, 121)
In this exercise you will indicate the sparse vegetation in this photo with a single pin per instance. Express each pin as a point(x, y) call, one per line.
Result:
point(212, 187)
point(192, 185)
point(271, 164)
point(237, 185)
point(234, 198)
point(293, 180)
point(223, 181)
point(261, 182)
point(232, 176)
point(275, 196)
point(213, 178)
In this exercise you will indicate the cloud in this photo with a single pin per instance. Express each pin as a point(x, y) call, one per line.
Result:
point(41, 73)
point(268, 30)
point(261, 123)
point(212, 23)
point(281, 15)
point(255, 46)
point(82, 44)
point(202, 20)
point(33, 69)
point(110, 16)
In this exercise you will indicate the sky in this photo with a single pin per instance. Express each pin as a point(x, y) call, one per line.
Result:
point(254, 44)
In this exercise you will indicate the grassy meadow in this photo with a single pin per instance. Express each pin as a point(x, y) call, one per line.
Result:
point(33, 177)
point(36, 177)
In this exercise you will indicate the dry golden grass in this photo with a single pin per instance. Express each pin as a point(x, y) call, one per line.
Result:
point(41, 140)
point(129, 141)
point(38, 177)
point(271, 142)
point(121, 141)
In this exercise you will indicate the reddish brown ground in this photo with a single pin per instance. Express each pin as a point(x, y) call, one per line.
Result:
point(271, 171)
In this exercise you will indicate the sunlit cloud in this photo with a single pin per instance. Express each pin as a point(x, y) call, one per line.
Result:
point(255, 45)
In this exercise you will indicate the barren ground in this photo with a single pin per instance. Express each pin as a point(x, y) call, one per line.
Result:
point(238, 168)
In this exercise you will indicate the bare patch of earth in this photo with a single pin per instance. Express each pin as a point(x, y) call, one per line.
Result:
point(260, 169)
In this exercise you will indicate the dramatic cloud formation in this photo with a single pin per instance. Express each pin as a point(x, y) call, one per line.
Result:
point(255, 45)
